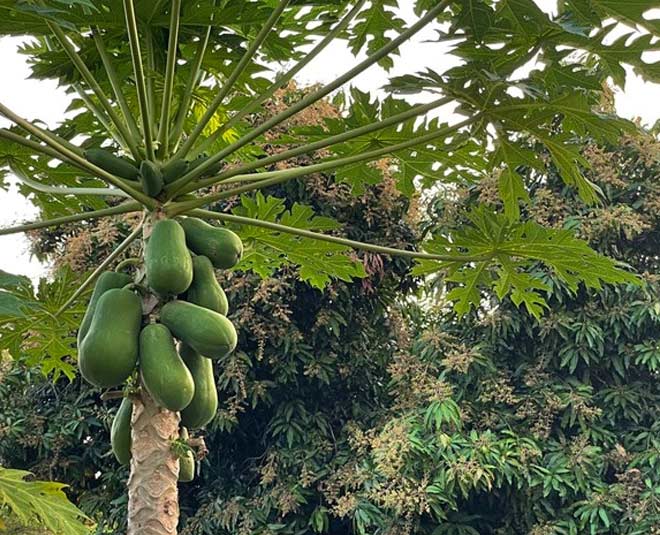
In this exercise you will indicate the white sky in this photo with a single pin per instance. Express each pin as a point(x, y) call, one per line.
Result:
point(44, 100)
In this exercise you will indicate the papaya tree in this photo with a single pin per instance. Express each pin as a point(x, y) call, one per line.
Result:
point(162, 91)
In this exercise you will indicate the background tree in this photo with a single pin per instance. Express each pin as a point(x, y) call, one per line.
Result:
point(186, 45)
point(498, 423)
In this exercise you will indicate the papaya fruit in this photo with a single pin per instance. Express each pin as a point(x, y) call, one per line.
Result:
point(173, 170)
point(108, 353)
point(106, 281)
point(120, 432)
point(187, 462)
point(205, 290)
point(151, 178)
point(222, 247)
point(112, 164)
point(204, 404)
point(167, 261)
point(164, 374)
point(206, 331)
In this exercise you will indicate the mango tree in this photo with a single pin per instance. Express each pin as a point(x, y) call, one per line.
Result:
point(164, 91)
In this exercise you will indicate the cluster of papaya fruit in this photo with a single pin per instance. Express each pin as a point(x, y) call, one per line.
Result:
point(150, 176)
point(116, 338)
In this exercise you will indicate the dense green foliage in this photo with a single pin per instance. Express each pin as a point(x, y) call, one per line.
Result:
point(341, 415)
point(502, 424)
point(324, 424)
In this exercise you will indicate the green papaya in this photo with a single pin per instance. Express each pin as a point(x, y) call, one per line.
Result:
point(222, 247)
point(108, 353)
point(164, 374)
point(120, 432)
point(204, 404)
point(173, 170)
point(206, 331)
point(205, 290)
point(167, 261)
point(187, 462)
point(151, 178)
point(106, 281)
point(112, 164)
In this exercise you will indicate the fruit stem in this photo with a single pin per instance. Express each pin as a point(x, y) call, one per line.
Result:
point(281, 81)
point(207, 214)
point(128, 262)
point(138, 70)
point(125, 208)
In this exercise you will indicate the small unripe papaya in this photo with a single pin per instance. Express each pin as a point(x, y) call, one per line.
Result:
point(174, 170)
point(167, 261)
point(222, 247)
point(205, 290)
point(112, 164)
point(187, 462)
point(120, 432)
point(204, 405)
point(164, 374)
point(151, 178)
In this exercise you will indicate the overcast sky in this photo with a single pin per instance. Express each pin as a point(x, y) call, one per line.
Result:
point(44, 100)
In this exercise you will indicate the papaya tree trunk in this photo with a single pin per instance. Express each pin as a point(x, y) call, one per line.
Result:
point(153, 501)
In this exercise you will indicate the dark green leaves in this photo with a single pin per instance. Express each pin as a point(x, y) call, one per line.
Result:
point(371, 25)
point(29, 330)
point(267, 251)
point(509, 249)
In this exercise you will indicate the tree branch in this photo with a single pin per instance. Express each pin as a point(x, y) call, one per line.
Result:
point(150, 53)
point(101, 117)
point(179, 184)
point(115, 83)
point(138, 70)
point(272, 178)
point(322, 143)
point(190, 86)
point(285, 78)
point(44, 149)
point(240, 220)
point(108, 192)
point(90, 80)
point(102, 267)
point(84, 164)
point(125, 208)
point(164, 126)
point(233, 77)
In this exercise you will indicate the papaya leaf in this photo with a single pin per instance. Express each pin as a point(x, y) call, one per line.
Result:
point(510, 247)
point(371, 25)
point(40, 502)
point(29, 330)
point(267, 251)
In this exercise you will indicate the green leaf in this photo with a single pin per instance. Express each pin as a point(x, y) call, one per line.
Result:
point(512, 189)
point(40, 502)
point(31, 332)
point(267, 251)
point(371, 25)
point(477, 16)
point(510, 249)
